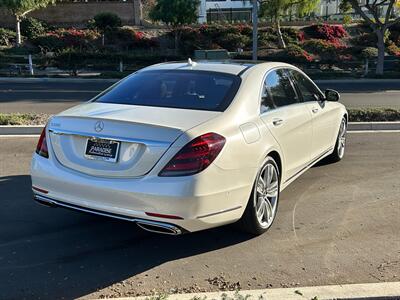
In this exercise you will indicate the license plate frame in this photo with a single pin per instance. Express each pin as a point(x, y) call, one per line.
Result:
point(101, 152)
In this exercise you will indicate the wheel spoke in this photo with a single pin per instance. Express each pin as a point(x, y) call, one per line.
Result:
point(268, 210)
point(261, 210)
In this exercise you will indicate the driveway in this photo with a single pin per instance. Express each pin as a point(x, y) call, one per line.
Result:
point(338, 223)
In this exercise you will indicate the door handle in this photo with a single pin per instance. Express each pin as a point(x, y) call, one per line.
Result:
point(315, 110)
point(277, 122)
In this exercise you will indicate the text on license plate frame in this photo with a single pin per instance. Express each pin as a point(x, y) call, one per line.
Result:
point(112, 157)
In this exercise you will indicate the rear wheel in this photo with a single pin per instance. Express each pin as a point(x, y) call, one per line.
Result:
point(263, 203)
point(340, 145)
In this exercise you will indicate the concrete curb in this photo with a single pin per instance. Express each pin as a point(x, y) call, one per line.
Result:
point(20, 130)
point(384, 290)
point(353, 126)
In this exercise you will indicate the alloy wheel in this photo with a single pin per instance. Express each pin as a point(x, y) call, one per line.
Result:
point(342, 139)
point(266, 195)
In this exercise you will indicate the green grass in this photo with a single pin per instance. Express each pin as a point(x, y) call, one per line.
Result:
point(23, 119)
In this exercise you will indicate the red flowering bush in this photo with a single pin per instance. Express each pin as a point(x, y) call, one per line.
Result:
point(296, 53)
point(326, 32)
point(301, 36)
point(127, 38)
point(66, 38)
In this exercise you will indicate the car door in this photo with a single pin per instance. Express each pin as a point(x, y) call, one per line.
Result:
point(324, 119)
point(288, 120)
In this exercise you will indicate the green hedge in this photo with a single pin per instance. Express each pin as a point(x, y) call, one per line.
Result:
point(374, 114)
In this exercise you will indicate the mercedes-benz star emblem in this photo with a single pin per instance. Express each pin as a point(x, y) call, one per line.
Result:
point(99, 126)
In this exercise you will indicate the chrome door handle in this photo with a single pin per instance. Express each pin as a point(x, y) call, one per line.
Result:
point(315, 110)
point(277, 122)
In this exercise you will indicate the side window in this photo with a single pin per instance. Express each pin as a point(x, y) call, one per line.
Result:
point(279, 89)
point(306, 87)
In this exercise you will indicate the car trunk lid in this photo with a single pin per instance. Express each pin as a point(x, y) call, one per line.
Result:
point(141, 135)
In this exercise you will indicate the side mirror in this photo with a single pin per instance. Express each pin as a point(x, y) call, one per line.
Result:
point(332, 95)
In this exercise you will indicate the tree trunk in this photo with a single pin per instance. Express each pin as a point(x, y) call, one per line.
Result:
point(380, 33)
point(18, 30)
point(281, 41)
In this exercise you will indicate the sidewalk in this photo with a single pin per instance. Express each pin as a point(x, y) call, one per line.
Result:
point(384, 290)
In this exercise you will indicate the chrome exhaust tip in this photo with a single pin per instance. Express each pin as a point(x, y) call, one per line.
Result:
point(158, 227)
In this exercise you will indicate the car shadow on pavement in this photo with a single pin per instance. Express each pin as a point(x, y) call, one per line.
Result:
point(52, 252)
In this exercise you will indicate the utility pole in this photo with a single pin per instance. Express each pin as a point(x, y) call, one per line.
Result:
point(255, 28)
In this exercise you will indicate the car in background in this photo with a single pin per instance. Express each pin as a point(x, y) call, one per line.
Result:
point(181, 147)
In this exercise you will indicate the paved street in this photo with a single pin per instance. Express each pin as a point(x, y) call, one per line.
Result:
point(48, 96)
point(338, 223)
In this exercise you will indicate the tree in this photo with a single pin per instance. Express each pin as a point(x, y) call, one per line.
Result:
point(175, 13)
point(105, 22)
point(20, 8)
point(276, 9)
point(370, 12)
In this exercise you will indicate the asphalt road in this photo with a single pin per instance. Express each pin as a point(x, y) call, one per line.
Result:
point(338, 223)
point(47, 96)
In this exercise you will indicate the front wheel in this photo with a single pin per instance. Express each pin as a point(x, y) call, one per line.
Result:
point(263, 203)
point(340, 145)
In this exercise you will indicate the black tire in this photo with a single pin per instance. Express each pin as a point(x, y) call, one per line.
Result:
point(249, 221)
point(338, 152)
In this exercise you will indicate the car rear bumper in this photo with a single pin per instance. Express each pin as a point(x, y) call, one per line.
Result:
point(194, 202)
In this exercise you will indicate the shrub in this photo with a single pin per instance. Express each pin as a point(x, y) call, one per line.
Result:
point(326, 31)
point(374, 114)
point(32, 28)
point(395, 34)
point(393, 49)
point(127, 38)
point(369, 52)
point(327, 50)
point(7, 37)
point(365, 39)
point(106, 21)
point(70, 60)
point(233, 41)
point(298, 54)
point(66, 38)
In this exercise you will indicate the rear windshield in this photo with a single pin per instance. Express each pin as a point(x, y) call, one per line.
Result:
point(175, 88)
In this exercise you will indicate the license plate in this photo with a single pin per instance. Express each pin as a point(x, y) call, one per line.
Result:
point(101, 149)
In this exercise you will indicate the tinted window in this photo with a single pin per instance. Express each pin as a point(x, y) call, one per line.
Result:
point(177, 88)
point(306, 87)
point(279, 89)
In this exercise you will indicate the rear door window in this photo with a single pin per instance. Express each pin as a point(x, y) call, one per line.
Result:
point(278, 90)
point(176, 89)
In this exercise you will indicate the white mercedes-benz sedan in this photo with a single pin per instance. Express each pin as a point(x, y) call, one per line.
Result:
point(182, 147)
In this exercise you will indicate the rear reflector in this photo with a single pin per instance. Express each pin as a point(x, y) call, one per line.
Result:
point(40, 190)
point(41, 147)
point(195, 156)
point(163, 216)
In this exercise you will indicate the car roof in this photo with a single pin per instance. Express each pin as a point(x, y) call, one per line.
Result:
point(226, 66)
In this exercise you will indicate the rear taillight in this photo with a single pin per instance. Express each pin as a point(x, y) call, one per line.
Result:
point(41, 147)
point(195, 156)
